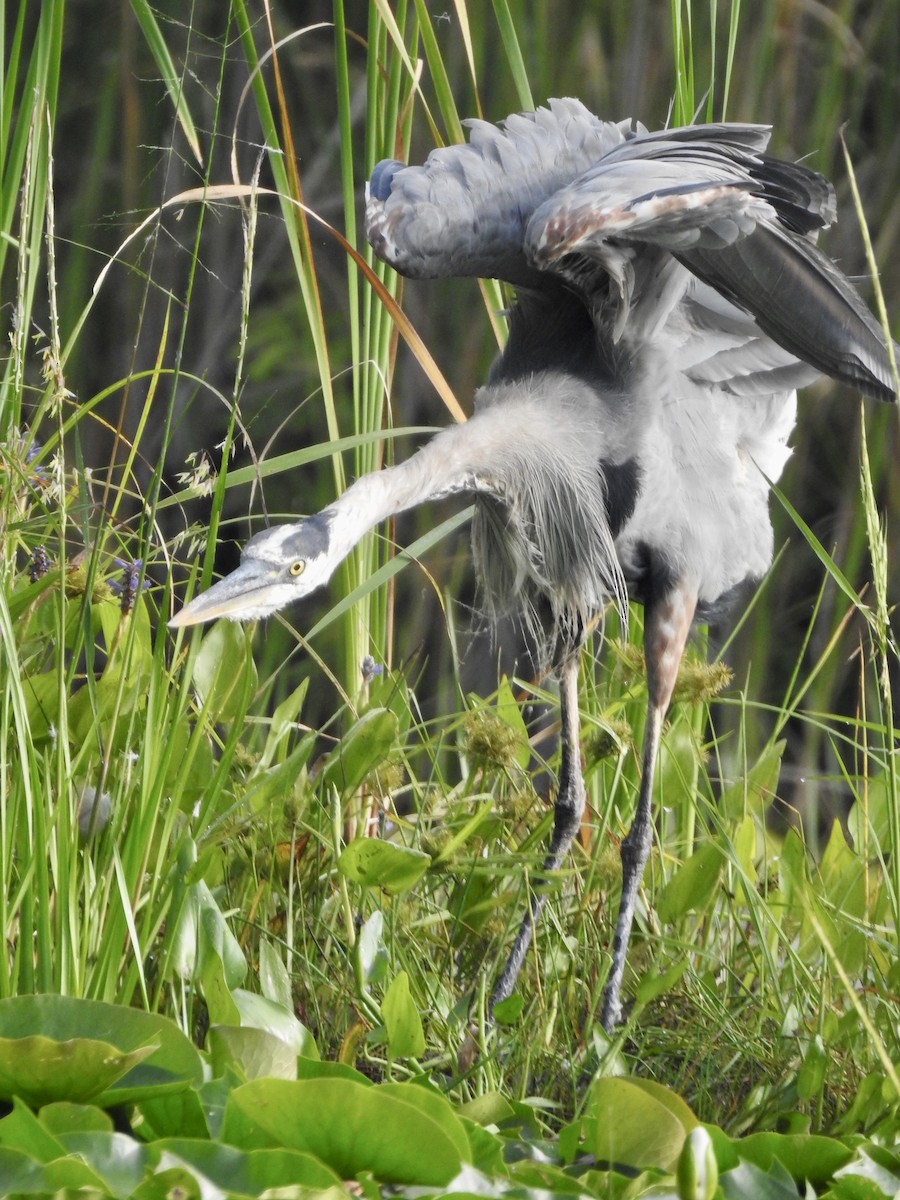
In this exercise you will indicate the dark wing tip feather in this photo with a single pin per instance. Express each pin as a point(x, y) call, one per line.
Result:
point(803, 302)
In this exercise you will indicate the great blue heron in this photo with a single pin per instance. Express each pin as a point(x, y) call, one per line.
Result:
point(670, 301)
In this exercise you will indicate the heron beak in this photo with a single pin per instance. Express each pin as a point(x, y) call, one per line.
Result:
point(240, 596)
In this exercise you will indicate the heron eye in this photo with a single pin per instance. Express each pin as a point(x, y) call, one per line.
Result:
point(297, 568)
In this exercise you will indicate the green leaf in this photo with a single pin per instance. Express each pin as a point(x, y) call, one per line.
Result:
point(745, 847)
point(692, 885)
point(668, 1099)
point(282, 724)
point(350, 1127)
point(173, 1063)
point(870, 821)
point(406, 1038)
point(257, 1012)
point(652, 984)
point(361, 749)
point(698, 1171)
point(792, 868)
point(754, 794)
point(172, 79)
point(508, 1011)
point(192, 1113)
point(224, 673)
point(202, 931)
point(118, 1160)
point(632, 1127)
point(807, 1157)
point(38, 1069)
point(64, 1117)
point(811, 1075)
point(22, 1129)
point(274, 980)
point(256, 1053)
point(374, 863)
point(373, 955)
point(317, 1068)
point(22, 1176)
point(249, 1173)
point(272, 787)
point(491, 1108)
point(430, 1102)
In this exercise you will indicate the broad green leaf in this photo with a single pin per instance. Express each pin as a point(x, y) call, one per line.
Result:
point(406, 1038)
point(811, 1075)
point(272, 787)
point(745, 847)
point(203, 931)
point(653, 984)
point(698, 1171)
point(491, 1108)
point(249, 1173)
point(839, 870)
point(173, 1063)
point(64, 1117)
point(870, 820)
point(120, 1161)
point(212, 984)
point(805, 1157)
point(350, 1127)
point(754, 794)
point(39, 1069)
point(224, 672)
point(282, 724)
point(873, 1177)
point(508, 1011)
point(22, 1176)
point(429, 1101)
point(27, 1132)
point(692, 884)
point(317, 1068)
point(632, 1127)
point(192, 1113)
point(257, 1012)
point(668, 1099)
point(360, 750)
point(255, 1053)
point(274, 980)
point(374, 863)
point(792, 867)
point(42, 705)
point(747, 1181)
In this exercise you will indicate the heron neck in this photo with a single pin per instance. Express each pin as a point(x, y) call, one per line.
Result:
point(449, 463)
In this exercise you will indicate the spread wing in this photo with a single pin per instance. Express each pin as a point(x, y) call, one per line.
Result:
point(652, 229)
point(464, 211)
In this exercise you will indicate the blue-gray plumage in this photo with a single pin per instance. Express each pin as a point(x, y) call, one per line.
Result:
point(670, 301)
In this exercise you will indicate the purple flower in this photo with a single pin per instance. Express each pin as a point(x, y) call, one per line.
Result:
point(127, 588)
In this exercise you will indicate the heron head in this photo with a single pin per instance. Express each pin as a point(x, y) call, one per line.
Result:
point(278, 566)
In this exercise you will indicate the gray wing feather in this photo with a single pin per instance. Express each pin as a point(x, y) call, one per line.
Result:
point(638, 222)
point(801, 300)
point(464, 211)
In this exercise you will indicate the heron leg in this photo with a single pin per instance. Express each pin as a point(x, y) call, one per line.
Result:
point(567, 815)
point(667, 623)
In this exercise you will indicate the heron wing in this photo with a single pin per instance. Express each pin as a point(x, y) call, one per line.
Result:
point(735, 219)
point(636, 222)
point(464, 211)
